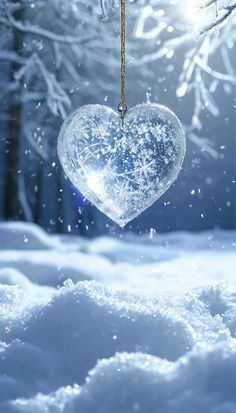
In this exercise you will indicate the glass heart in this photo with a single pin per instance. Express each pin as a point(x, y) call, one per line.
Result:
point(122, 167)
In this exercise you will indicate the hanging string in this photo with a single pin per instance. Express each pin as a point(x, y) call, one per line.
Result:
point(122, 107)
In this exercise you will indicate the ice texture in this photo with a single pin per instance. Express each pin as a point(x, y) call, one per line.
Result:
point(162, 341)
point(122, 166)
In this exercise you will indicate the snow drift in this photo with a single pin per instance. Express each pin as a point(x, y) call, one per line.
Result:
point(90, 344)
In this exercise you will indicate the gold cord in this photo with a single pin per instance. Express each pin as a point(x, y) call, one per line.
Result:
point(122, 107)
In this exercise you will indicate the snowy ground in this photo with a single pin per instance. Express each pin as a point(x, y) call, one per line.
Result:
point(117, 326)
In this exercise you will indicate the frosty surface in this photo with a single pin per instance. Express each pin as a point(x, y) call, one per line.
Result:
point(122, 167)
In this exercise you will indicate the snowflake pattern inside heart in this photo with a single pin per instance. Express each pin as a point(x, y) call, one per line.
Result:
point(122, 167)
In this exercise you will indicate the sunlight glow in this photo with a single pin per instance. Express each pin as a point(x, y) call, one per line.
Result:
point(95, 181)
point(193, 14)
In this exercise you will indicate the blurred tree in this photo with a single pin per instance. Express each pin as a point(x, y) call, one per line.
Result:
point(57, 55)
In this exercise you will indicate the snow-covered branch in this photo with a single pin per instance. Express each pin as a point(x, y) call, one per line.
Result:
point(223, 9)
point(65, 46)
point(187, 28)
point(54, 40)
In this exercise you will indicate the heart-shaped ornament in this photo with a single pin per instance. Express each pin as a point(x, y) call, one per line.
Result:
point(122, 166)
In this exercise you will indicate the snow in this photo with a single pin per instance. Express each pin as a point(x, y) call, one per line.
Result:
point(117, 325)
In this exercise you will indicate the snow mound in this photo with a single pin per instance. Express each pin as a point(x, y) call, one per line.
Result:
point(18, 236)
point(148, 384)
point(69, 347)
point(174, 262)
point(61, 340)
point(142, 383)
